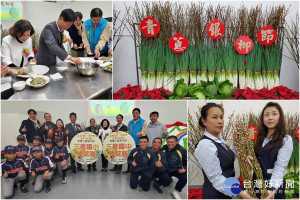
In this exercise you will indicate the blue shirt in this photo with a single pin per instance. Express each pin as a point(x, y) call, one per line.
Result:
point(63, 153)
point(14, 167)
point(22, 151)
point(41, 166)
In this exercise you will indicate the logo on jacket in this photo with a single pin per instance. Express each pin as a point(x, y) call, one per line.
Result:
point(232, 186)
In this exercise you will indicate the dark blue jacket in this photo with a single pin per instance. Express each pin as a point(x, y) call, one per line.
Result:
point(161, 156)
point(63, 153)
point(22, 152)
point(77, 39)
point(89, 129)
point(32, 130)
point(176, 158)
point(13, 168)
point(30, 150)
point(145, 159)
point(43, 132)
point(48, 153)
point(41, 165)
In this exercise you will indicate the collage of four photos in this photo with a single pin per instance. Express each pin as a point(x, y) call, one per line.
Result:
point(149, 99)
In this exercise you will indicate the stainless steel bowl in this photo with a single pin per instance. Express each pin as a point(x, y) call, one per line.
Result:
point(88, 68)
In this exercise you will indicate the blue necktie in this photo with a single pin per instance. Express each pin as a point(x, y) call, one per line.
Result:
point(74, 127)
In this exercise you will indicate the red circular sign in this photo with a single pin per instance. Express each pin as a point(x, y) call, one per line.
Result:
point(243, 45)
point(178, 43)
point(215, 29)
point(149, 27)
point(252, 132)
point(266, 35)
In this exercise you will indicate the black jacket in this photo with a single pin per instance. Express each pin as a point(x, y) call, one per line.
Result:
point(176, 158)
point(77, 39)
point(31, 130)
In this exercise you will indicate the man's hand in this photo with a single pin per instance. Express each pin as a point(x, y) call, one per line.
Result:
point(63, 163)
point(56, 156)
point(134, 163)
point(24, 129)
point(165, 133)
point(158, 164)
point(77, 61)
point(109, 51)
point(75, 46)
point(46, 175)
point(139, 134)
point(32, 173)
point(81, 45)
point(88, 51)
point(181, 171)
point(46, 127)
point(97, 53)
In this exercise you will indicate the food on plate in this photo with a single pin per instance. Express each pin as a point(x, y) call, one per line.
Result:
point(109, 68)
point(21, 71)
point(106, 59)
point(37, 81)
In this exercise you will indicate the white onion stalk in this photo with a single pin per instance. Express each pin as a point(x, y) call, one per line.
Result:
point(276, 78)
point(235, 78)
point(159, 79)
point(193, 77)
point(144, 80)
point(242, 79)
point(170, 81)
point(222, 75)
point(151, 80)
point(258, 80)
point(185, 76)
point(249, 79)
point(211, 76)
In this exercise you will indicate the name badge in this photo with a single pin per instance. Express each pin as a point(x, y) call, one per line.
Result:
point(269, 171)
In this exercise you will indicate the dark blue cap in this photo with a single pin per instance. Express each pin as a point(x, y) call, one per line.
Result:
point(21, 137)
point(48, 141)
point(10, 149)
point(58, 139)
point(37, 148)
point(37, 138)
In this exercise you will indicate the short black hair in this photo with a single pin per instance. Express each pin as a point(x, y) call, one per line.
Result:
point(47, 114)
point(144, 137)
point(154, 113)
point(120, 116)
point(78, 14)
point(68, 15)
point(20, 27)
point(31, 110)
point(96, 12)
point(157, 138)
point(72, 113)
point(136, 109)
point(103, 122)
point(172, 137)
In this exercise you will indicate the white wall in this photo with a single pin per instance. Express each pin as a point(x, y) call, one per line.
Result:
point(238, 107)
point(40, 13)
point(13, 112)
point(124, 62)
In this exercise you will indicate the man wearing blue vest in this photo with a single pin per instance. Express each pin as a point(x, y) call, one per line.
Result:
point(95, 35)
point(137, 128)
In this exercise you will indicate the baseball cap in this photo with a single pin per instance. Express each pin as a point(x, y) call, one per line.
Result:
point(20, 137)
point(37, 148)
point(48, 141)
point(9, 149)
point(37, 138)
point(58, 139)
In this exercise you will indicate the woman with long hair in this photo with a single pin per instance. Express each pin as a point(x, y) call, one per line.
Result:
point(59, 131)
point(273, 149)
point(103, 132)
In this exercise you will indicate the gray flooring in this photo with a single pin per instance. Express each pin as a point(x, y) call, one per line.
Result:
point(95, 185)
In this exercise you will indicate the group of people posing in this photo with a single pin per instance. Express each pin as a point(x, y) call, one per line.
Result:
point(47, 152)
point(67, 38)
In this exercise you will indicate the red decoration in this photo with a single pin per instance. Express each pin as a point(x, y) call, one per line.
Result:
point(252, 132)
point(215, 29)
point(149, 27)
point(178, 43)
point(297, 133)
point(243, 45)
point(266, 35)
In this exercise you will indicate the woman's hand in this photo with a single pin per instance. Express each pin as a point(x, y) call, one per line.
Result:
point(32, 62)
point(270, 196)
point(249, 159)
point(245, 195)
point(4, 70)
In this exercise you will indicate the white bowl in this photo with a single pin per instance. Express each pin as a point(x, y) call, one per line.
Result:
point(40, 85)
point(20, 85)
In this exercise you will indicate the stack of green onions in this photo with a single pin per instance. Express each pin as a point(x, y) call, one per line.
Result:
point(219, 62)
point(177, 67)
point(230, 64)
point(143, 52)
point(202, 67)
point(277, 64)
point(257, 65)
point(193, 63)
point(222, 74)
point(249, 70)
point(160, 64)
point(169, 79)
point(242, 70)
point(270, 66)
point(184, 66)
point(151, 63)
point(211, 63)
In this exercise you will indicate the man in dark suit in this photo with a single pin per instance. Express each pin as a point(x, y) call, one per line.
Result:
point(46, 130)
point(30, 127)
point(71, 130)
point(51, 40)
